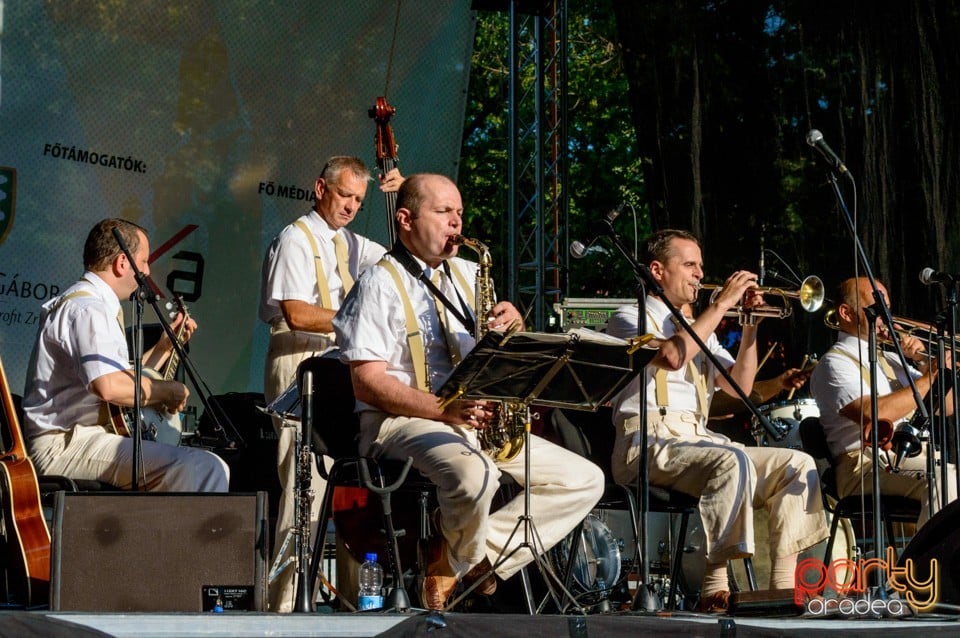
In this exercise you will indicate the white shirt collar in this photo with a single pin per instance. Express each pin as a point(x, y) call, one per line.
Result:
point(103, 290)
point(320, 226)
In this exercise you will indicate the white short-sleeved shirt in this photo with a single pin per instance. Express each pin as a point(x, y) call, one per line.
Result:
point(839, 379)
point(288, 272)
point(681, 390)
point(80, 340)
point(371, 325)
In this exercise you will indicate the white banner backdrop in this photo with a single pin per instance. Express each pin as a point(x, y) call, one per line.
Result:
point(207, 123)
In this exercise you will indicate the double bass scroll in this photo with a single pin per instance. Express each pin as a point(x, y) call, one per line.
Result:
point(386, 148)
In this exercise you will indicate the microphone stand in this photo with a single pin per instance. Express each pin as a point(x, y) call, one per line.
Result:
point(946, 382)
point(142, 292)
point(879, 308)
point(136, 433)
point(645, 598)
point(948, 320)
point(145, 291)
point(938, 442)
point(233, 438)
point(951, 298)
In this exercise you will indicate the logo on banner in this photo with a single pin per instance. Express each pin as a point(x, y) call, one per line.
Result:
point(8, 195)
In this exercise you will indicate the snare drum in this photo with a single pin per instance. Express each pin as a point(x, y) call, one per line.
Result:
point(609, 534)
point(785, 416)
point(598, 557)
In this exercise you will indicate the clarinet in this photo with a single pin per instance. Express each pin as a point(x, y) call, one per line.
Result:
point(304, 498)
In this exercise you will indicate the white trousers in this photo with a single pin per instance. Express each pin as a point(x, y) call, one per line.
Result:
point(731, 480)
point(563, 488)
point(854, 472)
point(91, 452)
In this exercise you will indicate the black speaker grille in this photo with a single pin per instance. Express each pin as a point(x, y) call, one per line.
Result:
point(126, 551)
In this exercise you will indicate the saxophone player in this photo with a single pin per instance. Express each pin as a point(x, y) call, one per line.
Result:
point(401, 337)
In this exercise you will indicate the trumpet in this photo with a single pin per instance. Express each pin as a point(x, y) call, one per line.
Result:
point(810, 295)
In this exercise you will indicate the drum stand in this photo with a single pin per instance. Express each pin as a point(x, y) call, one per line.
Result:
point(540, 368)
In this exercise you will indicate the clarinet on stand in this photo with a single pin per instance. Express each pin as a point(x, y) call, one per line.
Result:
point(304, 498)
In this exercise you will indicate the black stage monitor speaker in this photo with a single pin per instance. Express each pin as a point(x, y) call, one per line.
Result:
point(939, 538)
point(136, 551)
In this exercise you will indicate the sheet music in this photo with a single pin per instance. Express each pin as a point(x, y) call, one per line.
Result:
point(581, 369)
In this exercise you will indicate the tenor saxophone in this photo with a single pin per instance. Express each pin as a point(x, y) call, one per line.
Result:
point(502, 440)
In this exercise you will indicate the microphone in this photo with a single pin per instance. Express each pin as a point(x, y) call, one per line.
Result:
point(906, 440)
point(763, 270)
point(123, 245)
point(773, 273)
point(578, 249)
point(930, 276)
point(815, 139)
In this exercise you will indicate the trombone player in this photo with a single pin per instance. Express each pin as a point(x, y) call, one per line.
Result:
point(841, 386)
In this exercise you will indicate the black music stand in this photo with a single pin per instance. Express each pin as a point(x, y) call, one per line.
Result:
point(579, 370)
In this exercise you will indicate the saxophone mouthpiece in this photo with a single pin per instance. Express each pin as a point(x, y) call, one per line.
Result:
point(458, 240)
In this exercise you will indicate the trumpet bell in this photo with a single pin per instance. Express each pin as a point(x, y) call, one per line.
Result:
point(811, 294)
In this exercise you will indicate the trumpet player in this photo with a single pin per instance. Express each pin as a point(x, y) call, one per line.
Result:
point(393, 374)
point(841, 386)
point(682, 454)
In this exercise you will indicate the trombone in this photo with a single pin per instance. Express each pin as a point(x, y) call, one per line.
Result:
point(925, 332)
point(810, 295)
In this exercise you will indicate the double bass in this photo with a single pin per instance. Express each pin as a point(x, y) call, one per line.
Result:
point(386, 148)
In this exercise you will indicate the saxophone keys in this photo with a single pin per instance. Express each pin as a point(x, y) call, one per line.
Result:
point(445, 401)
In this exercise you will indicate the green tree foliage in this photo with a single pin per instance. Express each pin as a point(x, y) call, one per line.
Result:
point(604, 165)
point(696, 111)
point(723, 95)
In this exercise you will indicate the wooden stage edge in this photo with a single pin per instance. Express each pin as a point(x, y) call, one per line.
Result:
point(173, 625)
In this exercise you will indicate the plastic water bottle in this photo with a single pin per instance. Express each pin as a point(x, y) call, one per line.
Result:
point(371, 584)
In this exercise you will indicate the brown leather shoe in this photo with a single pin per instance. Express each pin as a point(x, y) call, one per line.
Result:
point(439, 581)
point(716, 603)
point(483, 572)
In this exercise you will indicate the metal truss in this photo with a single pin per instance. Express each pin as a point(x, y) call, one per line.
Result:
point(537, 157)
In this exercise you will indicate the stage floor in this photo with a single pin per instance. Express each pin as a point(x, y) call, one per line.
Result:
point(172, 625)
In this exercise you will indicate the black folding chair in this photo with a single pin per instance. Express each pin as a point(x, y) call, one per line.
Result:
point(592, 435)
point(893, 508)
point(334, 430)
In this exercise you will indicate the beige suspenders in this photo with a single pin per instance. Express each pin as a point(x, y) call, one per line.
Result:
point(885, 367)
point(698, 377)
point(462, 282)
point(322, 285)
point(865, 372)
point(414, 338)
point(105, 416)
